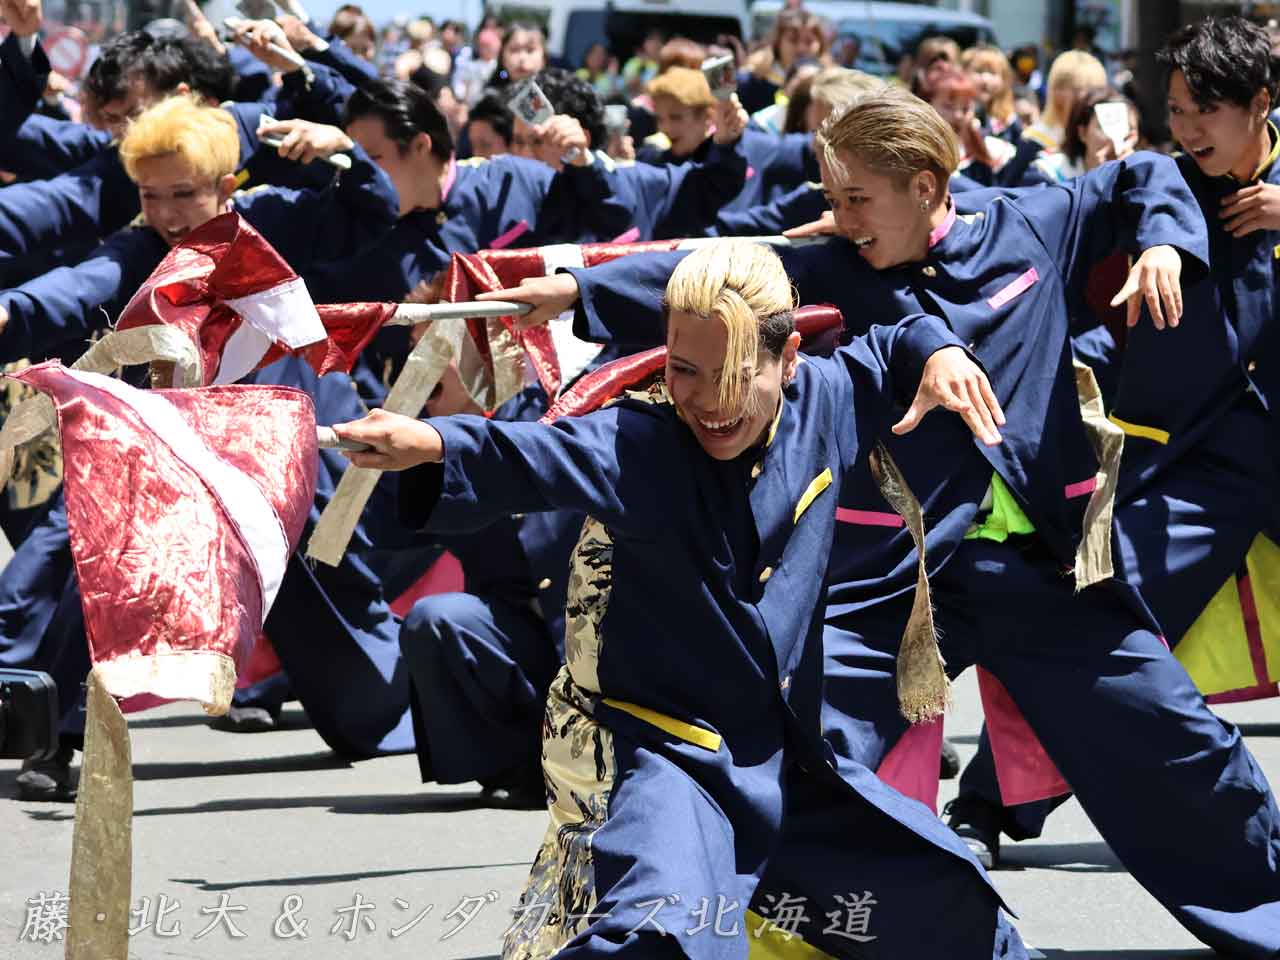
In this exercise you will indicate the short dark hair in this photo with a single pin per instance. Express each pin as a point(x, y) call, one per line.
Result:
point(521, 26)
point(350, 19)
point(775, 329)
point(212, 75)
point(492, 109)
point(162, 63)
point(429, 80)
point(1081, 115)
point(1224, 59)
point(571, 95)
point(405, 111)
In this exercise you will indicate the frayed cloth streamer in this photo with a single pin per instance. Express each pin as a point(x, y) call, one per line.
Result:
point(1093, 558)
point(445, 339)
point(102, 844)
point(422, 371)
point(122, 348)
point(923, 689)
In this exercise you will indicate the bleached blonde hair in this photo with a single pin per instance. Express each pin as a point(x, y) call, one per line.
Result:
point(204, 136)
point(1071, 68)
point(985, 56)
point(743, 285)
point(836, 87)
point(893, 132)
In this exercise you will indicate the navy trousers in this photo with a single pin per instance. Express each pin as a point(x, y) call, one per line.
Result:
point(480, 668)
point(1177, 541)
point(832, 842)
point(332, 627)
point(1120, 718)
point(39, 611)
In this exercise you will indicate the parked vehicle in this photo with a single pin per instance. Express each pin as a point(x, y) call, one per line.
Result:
point(885, 31)
point(574, 25)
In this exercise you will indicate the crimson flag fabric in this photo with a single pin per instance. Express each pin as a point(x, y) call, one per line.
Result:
point(243, 307)
point(489, 270)
point(819, 326)
point(183, 507)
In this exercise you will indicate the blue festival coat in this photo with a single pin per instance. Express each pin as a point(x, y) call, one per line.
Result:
point(93, 197)
point(1201, 466)
point(1007, 277)
point(688, 568)
point(509, 201)
point(86, 203)
point(338, 56)
point(1173, 384)
point(679, 200)
point(775, 166)
point(802, 205)
point(56, 312)
point(32, 145)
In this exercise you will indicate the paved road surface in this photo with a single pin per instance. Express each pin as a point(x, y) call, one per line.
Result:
point(259, 819)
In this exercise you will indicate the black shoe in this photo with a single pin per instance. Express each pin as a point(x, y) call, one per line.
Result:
point(975, 822)
point(521, 789)
point(950, 768)
point(48, 779)
point(246, 720)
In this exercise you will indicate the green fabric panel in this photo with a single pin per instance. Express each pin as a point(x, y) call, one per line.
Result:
point(1006, 517)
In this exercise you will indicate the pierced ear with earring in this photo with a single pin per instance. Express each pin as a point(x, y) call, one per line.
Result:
point(924, 206)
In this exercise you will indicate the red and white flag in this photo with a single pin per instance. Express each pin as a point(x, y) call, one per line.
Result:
point(183, 507)
point(492, 354)
point(555, 355)
point(819, 326)
point(243, 307)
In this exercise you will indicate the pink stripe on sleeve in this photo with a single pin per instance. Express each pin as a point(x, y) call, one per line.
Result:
point(1021, 285)
point(1081, 489)
point(511, 236)
point(868, 518)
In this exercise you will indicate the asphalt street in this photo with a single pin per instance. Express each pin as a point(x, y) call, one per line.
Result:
point(351, 855)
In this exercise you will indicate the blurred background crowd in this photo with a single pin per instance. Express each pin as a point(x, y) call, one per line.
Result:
point(466, 54)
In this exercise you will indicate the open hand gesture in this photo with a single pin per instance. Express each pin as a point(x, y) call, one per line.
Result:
point(954, 382)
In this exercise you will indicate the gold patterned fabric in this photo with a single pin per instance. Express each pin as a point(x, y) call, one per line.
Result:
point(102, 842)
point(578, 763)
point(923, 690)
point(579, 767)
point(34, 469)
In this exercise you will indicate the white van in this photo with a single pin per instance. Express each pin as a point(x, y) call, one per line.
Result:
point(885, 30)
point(574, 25)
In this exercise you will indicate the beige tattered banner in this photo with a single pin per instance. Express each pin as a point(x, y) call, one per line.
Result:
point(1093, 559)
point(446, 338)
point(102, 845)
point(924, 691)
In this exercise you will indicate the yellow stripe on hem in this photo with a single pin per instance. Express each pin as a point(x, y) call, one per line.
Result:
point(767, 941)
point(687, 732)
point(819, 483)
point(1138, 430)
